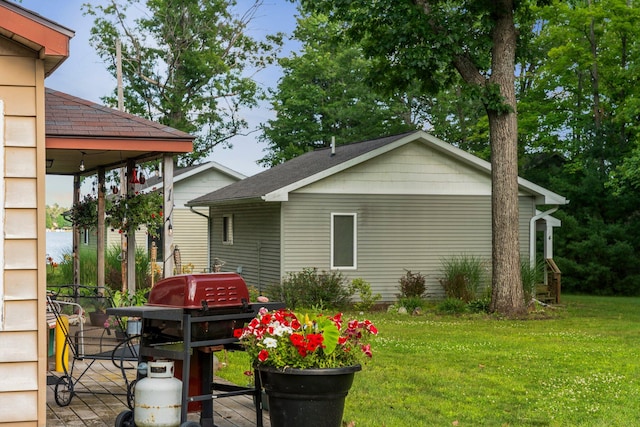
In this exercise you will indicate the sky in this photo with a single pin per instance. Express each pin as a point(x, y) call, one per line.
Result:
point(84, 75)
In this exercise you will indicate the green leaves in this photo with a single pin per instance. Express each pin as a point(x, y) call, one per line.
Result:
point(185, 64)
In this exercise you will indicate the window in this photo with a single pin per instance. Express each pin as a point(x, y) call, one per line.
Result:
point(227, 229)
point(343, 240)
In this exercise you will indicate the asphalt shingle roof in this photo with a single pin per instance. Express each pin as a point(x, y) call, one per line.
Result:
point(292, 171)
point(70, 116)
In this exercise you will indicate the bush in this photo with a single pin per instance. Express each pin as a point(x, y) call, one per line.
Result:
point(113, 268)
point(363, 288)
point(412, 285)
point(464, 277)
point(410, 303)
point(452, 306)
point(62, 273)
point(309, 288)
point(531, 276)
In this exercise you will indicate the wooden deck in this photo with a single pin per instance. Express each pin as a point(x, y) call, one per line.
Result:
point(101, 396)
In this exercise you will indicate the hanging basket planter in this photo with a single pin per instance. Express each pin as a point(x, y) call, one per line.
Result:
point(132, 211)
point(84, 214)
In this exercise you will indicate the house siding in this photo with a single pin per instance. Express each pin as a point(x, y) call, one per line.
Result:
point(395, 233)
point(411, 169)
point(199, 184)
point(190, 236)
point(22, 343)
point(256, 242)
point(189, 229)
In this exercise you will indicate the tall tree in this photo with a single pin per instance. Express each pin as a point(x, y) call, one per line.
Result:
point(186, 64)
point(429, 40)
point(322, 94)
point(580, 113)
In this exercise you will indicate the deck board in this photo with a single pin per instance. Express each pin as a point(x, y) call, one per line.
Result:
point(101, 396)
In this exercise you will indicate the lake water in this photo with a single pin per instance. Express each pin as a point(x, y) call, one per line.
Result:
point(58, 244)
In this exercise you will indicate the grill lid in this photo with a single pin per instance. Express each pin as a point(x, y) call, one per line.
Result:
point(201, 291)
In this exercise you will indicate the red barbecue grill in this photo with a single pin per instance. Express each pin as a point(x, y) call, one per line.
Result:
point(186, 318)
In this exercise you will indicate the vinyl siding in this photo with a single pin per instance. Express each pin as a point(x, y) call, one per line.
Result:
point(395, 233)
point(189, 229)
point(190, 235)
point(200, 184)
point(22, 333)
point(411, 169)
point(256, 242)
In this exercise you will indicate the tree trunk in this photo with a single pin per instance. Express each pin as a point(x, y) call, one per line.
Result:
point(507, 294)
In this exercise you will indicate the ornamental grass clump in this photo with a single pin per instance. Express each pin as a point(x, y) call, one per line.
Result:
point(283, 339)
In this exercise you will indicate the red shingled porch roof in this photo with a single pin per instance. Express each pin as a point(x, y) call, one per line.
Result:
point(80, 130)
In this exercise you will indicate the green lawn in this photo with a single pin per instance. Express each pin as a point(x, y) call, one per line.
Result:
point(579, 367)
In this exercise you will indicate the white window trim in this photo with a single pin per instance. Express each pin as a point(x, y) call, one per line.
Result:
point(227, 239)
point(355, 240)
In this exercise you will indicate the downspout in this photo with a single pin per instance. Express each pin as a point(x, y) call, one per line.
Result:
point(532, 235)
point(209, 243)
point(198, 213)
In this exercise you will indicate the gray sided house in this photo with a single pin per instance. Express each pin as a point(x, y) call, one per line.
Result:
point(371, 209)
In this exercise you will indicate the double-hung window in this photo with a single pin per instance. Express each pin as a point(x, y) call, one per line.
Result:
point(344, 240)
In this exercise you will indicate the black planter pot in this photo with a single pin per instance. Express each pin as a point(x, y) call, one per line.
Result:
point(306, 397)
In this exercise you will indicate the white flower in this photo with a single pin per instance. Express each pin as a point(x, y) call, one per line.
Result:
point(270, 342)
point(280, 330)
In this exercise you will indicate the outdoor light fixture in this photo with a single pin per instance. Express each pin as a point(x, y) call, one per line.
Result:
point(82, 163)
point(170, 229)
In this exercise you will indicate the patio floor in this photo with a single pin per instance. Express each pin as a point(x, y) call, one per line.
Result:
point(101, 396)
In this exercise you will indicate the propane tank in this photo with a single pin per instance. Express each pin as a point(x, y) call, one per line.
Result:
point(158, 397)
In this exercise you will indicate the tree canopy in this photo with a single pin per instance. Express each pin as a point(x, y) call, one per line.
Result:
point(187, 64)
point(323, 95)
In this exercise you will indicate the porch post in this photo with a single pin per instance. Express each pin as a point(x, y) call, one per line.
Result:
point(76, 235)
point(167, 209)
point(131, 235)
point(100, 241)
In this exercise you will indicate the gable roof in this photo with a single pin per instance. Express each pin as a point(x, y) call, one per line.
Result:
point(77, 129)
point(180, 174)
point(49, 39)
point(276, 183)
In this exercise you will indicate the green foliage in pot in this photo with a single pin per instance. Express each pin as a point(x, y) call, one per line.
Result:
point(132, 211)
point(84, 213)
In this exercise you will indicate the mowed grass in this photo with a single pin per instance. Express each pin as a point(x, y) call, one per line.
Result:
point(578, 365)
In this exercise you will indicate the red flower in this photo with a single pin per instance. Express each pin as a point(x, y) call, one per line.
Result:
point(237, 333)
point(263, 355)
point(366, 349)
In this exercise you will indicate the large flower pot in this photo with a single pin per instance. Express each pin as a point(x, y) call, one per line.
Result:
point(98, 318)
point(306, 397)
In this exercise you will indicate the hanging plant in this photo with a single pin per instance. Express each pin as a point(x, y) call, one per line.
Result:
point(84, 214)
point(132, 211)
